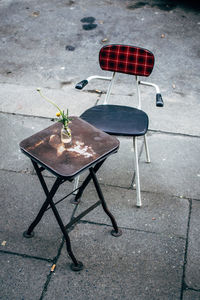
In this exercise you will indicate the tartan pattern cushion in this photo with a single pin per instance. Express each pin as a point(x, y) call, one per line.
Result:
point(126, 59)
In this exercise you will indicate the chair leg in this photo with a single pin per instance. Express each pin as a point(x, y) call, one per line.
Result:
point(76, 182)
point(146, 149)
point(137, 178)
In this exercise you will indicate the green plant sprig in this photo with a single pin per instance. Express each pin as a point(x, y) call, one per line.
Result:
point(62, 117)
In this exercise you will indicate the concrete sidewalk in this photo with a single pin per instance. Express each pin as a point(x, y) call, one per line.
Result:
point(157, 257)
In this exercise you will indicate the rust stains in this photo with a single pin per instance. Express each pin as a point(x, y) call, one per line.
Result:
point(36, 145)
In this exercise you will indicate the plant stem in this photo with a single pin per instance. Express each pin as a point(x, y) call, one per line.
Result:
point(47, 99)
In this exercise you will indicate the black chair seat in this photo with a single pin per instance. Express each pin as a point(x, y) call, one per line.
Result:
point(117, 119)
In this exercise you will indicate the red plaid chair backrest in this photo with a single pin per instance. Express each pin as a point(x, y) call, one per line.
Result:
point(126, 59)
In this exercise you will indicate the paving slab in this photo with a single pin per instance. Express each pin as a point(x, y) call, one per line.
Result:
point(133, 266)
point(192, 274)
point(173, 169)
point(26, 100)
point(159, 213)
point(15, 129)
point(39, 34)
point(22, 278)
point(118, 169)
point(180, 108)
point(21, 199)
point(189, 294)
point(182, 180)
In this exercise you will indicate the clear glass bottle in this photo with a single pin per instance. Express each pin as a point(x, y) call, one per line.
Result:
point(66, 136)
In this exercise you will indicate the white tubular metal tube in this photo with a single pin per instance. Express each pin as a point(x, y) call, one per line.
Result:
point(146, 149)
point(137, 178)
point(76, 182)
point(98, 77)
point(109, 89)
point(150, 84)
point(138, 92)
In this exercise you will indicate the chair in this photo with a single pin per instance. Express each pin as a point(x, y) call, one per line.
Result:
point(119, 119)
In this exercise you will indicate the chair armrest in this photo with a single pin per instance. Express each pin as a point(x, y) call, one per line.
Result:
point(80, 85)
point(159, 100)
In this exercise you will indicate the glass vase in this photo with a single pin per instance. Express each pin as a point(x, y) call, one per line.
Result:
point(66, 136)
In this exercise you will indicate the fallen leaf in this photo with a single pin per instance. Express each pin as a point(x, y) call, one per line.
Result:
point(3, 243)
point(98, 91)
point(53, 268)
point(35, 14)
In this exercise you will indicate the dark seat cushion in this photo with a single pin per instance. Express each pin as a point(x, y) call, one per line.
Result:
point(117, 119)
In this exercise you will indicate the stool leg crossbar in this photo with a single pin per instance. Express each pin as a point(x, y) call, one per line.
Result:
point(76, 265)
point(85, 183)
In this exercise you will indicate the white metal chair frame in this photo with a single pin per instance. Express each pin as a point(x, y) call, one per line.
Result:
point(130, 60)
point(135, 146)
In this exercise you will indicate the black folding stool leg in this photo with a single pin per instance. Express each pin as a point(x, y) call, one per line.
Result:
point(29, 233)
point(116, 232)
point(85, 183)
point(76, 265)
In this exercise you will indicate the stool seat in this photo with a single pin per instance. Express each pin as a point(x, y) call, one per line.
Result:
point(88, 146)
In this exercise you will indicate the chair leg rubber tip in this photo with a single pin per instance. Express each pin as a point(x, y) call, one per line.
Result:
point(76, 202)
point(28, 236)
point(116, 233)
point(78, 267)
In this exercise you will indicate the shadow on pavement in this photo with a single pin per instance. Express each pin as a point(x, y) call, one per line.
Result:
point(166, 5)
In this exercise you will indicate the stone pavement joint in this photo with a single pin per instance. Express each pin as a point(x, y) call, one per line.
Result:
point(26, 256)
point(184, 285)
